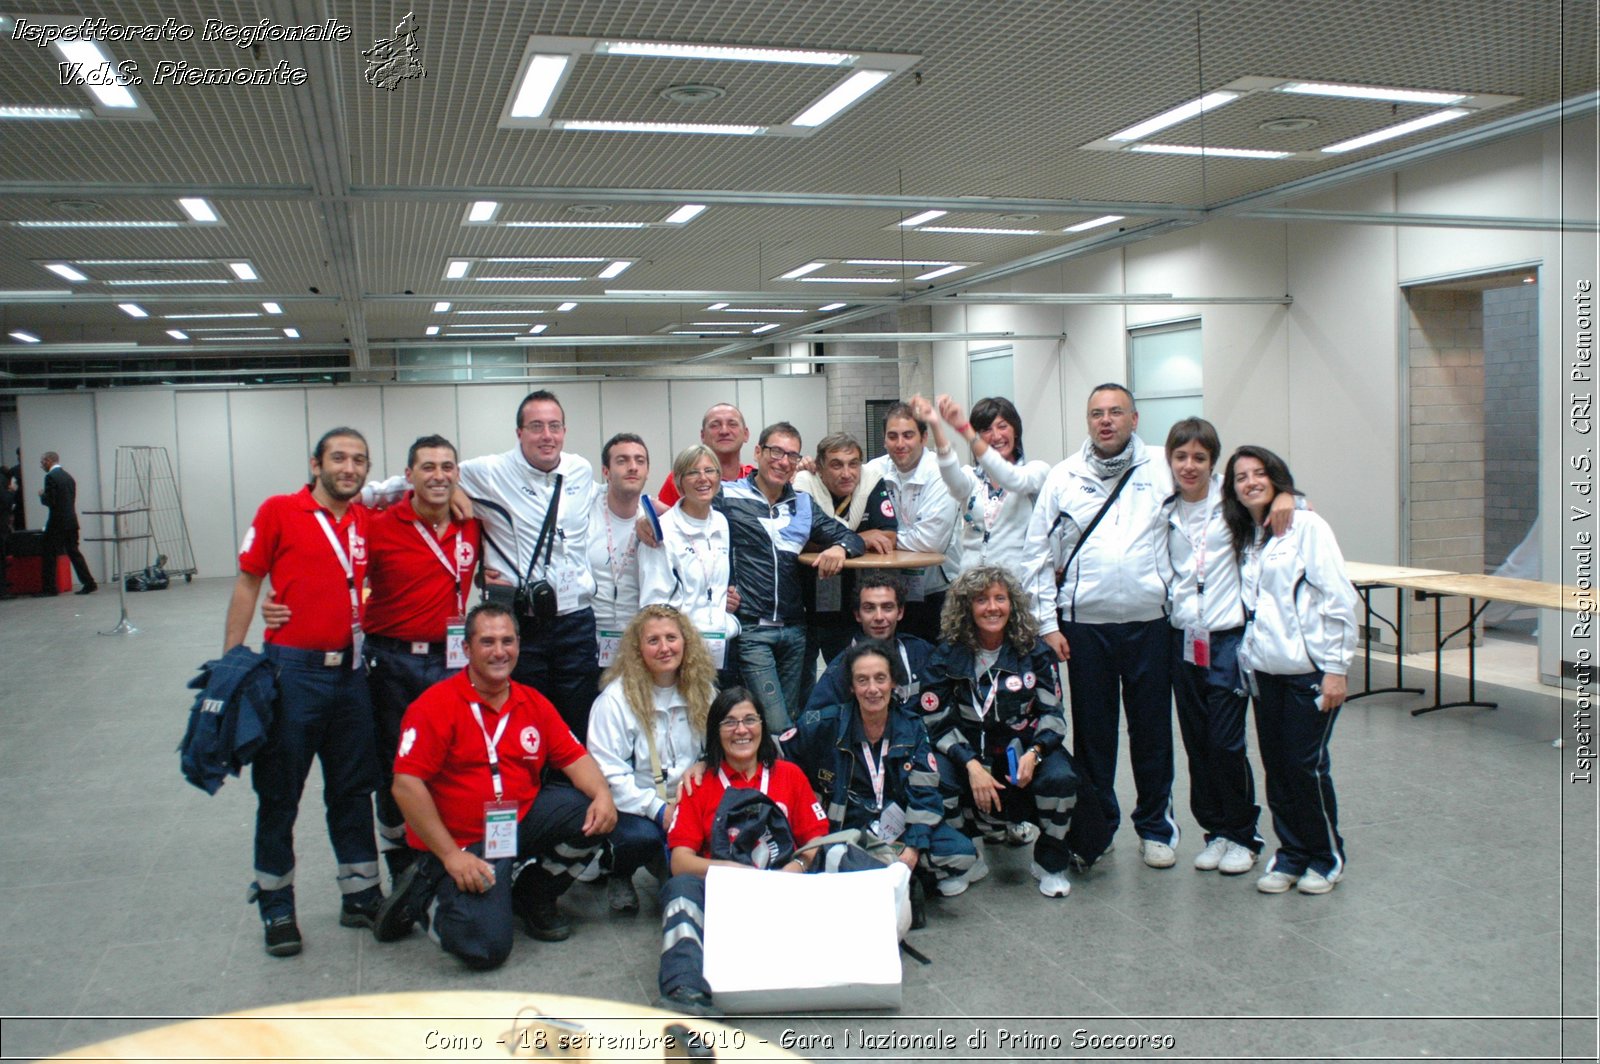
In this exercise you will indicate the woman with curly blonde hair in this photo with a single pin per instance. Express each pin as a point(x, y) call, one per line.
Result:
point(646, 730)
point(992, 705)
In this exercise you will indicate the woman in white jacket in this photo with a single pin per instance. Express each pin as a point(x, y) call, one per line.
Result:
point(692, 567)
point(995, 495)
point(1296, 651)
point(646, 731)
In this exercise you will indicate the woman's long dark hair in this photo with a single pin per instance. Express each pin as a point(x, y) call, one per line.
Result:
point(1240, 524)
point(984, 411)
point(721, 706)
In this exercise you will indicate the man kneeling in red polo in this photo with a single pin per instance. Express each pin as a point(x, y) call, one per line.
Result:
point(498, 846)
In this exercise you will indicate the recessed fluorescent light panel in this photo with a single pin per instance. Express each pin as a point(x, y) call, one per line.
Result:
point(482, 211)
point(244, 271)
point(62, 270)
point(688, 212)
point(272, 308)
point(23, 335)
point(199, 210)
point(441, 308)
point(576, 225)
point(292, 333)
point(763, 329)
point(1181, 113)
point(800, 271)
point(831, 306)
point(93, 223)
point(941, 272)
point(133, 310)
point(563, 308)
point(980, 230)
point(1400, 130)
point(537, 329)
point(1093, 223)
point(99, 74)
point(718, 306)
point(48, 114)
point(921, 219)
point(177, 334)
point(615, 268)
point(457, 269)
point(548, 63)
point(219, 314)
point(1372, 92)
point(432, 330)
point(1197, 149)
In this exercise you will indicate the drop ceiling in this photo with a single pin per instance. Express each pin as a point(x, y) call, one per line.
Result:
point(350, 201)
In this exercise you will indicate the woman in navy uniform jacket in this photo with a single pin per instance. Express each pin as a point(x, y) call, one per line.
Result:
point(992, 704)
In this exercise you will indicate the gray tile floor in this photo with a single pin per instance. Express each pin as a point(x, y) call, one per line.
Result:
point(1465, 929)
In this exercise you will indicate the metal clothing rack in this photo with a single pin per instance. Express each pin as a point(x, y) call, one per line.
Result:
point(145, 482)
point(118, 538)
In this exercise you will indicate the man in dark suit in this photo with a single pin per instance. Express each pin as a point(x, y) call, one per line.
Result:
point(60, 498)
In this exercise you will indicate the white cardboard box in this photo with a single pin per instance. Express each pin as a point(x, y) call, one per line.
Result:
point(780, 942)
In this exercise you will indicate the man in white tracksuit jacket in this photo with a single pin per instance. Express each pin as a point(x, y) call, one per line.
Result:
point(1106, 618)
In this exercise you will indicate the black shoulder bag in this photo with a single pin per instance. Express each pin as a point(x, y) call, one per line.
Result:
point(1087, 532)
point(535, 600)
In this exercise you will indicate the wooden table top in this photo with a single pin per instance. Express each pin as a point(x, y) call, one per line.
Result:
point(1372, 573)
point(898, 559)
point(1481, 586)
point(446, 1025)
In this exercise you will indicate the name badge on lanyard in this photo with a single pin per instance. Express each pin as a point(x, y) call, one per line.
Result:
point(455, 626)
point(356, 638)
point(1196, 639)
point(499, 816)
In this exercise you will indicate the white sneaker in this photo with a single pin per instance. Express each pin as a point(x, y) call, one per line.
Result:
point(953, 886)
point(1237, 861)
point(1021, 834)
point(1276, 882)
point(1209, 858)
point(591, 871)
point(1316, 883)
point(979, 869)
point(1157, 854)
point(1051, 884)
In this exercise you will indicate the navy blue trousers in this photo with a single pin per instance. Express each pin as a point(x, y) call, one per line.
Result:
point(1127, 663)
point(322, 713)
point(560, 660)
point(1293, 735)
point(1211, 712)
point(395, 678)
point(637, 842)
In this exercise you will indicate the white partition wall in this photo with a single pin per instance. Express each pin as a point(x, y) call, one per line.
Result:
point(409, 413)
point(125, 419)
point(801, 401)
point(487, 414)
point(267, 435)
point(639, 407)
point(204, 464)
point(359, 408)
point(64, 424)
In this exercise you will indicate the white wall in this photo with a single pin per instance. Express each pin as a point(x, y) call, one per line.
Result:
point(231, 448)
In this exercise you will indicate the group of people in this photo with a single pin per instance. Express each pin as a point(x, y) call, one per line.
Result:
point(634, 665)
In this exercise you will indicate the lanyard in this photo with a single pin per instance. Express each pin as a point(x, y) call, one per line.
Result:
point(491, 742)
point(455, 577)
point(1197, 544)
point(994, 499)
point(344, 563)
point(875, 771)
point(994, 689)
point(704, 563)
point(723, 776)
point(611, 552)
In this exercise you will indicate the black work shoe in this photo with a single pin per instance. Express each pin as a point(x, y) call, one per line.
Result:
point(283, 936)
point(689, 1002)
point(361, 914)
point(919, 898)
point(545, 922)
point(87, 589)
point(404, 906)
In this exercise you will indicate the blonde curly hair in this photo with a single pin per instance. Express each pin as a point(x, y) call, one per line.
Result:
point(955, 620)
point(697, 676)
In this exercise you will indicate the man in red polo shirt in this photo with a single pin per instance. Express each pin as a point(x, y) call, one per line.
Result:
point(312, 546)
point(420, 562)
point(498, 846)
point(723, 430)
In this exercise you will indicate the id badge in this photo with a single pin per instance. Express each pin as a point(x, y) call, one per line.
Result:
point(455, 643)
point(1197, 647)
point(567, 589)
point(717, 643)
point(916, 585)
point(357, 641)
point(607, 642)
point(1250, 686)
point(499, 830)
point(830, 594)
point(891, 822)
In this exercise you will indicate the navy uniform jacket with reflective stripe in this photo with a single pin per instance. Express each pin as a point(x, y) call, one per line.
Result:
point(767, 538)
point(231, 717)
point(1027, 704)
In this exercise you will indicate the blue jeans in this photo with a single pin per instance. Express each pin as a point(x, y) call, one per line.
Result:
point(772, 661)
point(322, 712)
point(636, 842)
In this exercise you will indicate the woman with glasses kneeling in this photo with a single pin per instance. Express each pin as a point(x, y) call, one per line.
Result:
point(739, 755)
point(645, 731)
point(992, 704)
point(1298, 642)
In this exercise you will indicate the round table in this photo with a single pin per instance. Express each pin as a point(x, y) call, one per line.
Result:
point(895, 559)
point(436, 1024)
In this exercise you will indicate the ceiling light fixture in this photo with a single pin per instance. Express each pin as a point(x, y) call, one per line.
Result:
point(272, 308)
point(44, 113)
point(716, 324)
point(850, 280)
point(1093, 223)
point(931, 274)
point(765, 310)
point(718, 306)
point(540, 79)
point(482, 211)
point(167, 280)
point(206, 317)
point(457, 269)
point(830, 306)
point(1198, 149)
point(706, 332)
point(575, 225)
point(441, 308)
point(763, 329)
point(735, 53)
point(800, 271)
point(61, 269)
point(432, 330)
point(89, 223)
point(615, 269)
point(549, 258)
point(919, 219)
point(537, 329)
point(1400, 130)
point(292, 333)
point(177, 334)
point(198, 209)
point(491, 324)
point(1181, 113)
point(897, 262)
point(1371, 92)
point(94, 68)
point(23, 335)
point(133, 310)
point(594, 126)
point(683, 214)
point(515, 310)
point(563, 308)
point(847, 92)
point(530, 280)
point(978, 230)
point(244, 271)
point(481, 336)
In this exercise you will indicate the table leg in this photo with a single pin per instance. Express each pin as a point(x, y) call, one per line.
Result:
point(1398, 625)
point(1440, 639)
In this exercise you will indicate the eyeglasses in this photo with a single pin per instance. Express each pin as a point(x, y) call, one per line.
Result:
point(735, 723)
point(703, 474)
point(778, 454)
point(541, 427)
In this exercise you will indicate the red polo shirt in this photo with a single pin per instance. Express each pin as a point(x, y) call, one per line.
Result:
point(286, 544)
point(442, 745)
point(669, 490)
point(413, 593)
point(787, 785)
